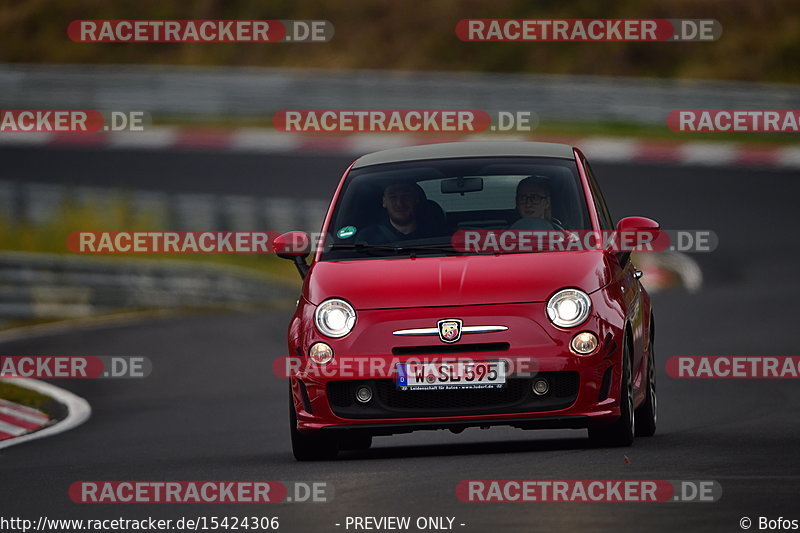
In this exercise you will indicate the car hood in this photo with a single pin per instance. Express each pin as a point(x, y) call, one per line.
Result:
point(453, 281)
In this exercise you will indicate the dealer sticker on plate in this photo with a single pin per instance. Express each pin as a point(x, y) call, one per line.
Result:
point(452, 375)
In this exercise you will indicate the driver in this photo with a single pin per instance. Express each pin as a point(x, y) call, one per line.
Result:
point(401, 203)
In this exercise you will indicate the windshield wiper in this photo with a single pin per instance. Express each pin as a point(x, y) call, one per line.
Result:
point(370, 248)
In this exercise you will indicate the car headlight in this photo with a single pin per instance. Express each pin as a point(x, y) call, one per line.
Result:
point(569, 308)
point(335, 318)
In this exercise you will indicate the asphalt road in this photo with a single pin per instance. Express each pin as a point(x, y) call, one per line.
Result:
point(212, 408)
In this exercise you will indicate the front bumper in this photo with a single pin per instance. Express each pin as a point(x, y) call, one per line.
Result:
point(388, 401)
point(546, 422)
point(584, 389)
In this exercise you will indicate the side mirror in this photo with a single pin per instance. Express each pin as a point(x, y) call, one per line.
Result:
point(635, 231)
point(295, 245)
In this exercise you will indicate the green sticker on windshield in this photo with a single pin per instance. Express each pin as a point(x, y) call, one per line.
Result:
point(346, 232)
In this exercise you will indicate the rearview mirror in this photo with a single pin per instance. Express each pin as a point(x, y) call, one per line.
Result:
point(461, 185)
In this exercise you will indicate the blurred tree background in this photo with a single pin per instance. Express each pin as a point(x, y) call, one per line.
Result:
point(760, 40)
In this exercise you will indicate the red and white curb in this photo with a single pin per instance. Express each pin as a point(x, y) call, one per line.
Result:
point(16, 419)
point(20, 424)
point(260, 140)
point(667, 270)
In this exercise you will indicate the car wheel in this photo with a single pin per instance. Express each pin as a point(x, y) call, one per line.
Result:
point(620, 432)
point(647, 413)
point(309, 447)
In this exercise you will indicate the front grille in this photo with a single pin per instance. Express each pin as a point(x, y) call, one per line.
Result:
point(390, 402)
point(341, 393)
point(451, 348)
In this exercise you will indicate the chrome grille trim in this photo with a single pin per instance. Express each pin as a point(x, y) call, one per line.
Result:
point(435, 331)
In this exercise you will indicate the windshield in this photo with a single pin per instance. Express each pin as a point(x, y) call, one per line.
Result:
point(413, 208)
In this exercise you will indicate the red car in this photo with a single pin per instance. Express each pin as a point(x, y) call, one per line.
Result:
point(401, 328)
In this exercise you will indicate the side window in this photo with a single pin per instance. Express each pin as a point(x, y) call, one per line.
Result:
point(606, 221)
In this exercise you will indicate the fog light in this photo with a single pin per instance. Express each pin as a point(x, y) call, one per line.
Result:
point(320, 353)
point(364, 394)
point(540, 386)
point(584, 343)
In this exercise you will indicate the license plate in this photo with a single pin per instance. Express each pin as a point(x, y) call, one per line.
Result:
point(455, 375)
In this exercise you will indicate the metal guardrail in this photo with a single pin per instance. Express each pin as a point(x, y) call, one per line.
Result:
point(34, 285)
point(258, 92)
point(40, 204)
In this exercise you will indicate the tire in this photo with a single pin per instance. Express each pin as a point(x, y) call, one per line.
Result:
point(309, 447)
point(647, 413)
point(621, 431)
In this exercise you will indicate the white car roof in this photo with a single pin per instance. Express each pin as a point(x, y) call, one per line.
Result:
point(466, 149)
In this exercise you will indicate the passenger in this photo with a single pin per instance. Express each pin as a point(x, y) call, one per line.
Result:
point(534, 205)
point(533, 198)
